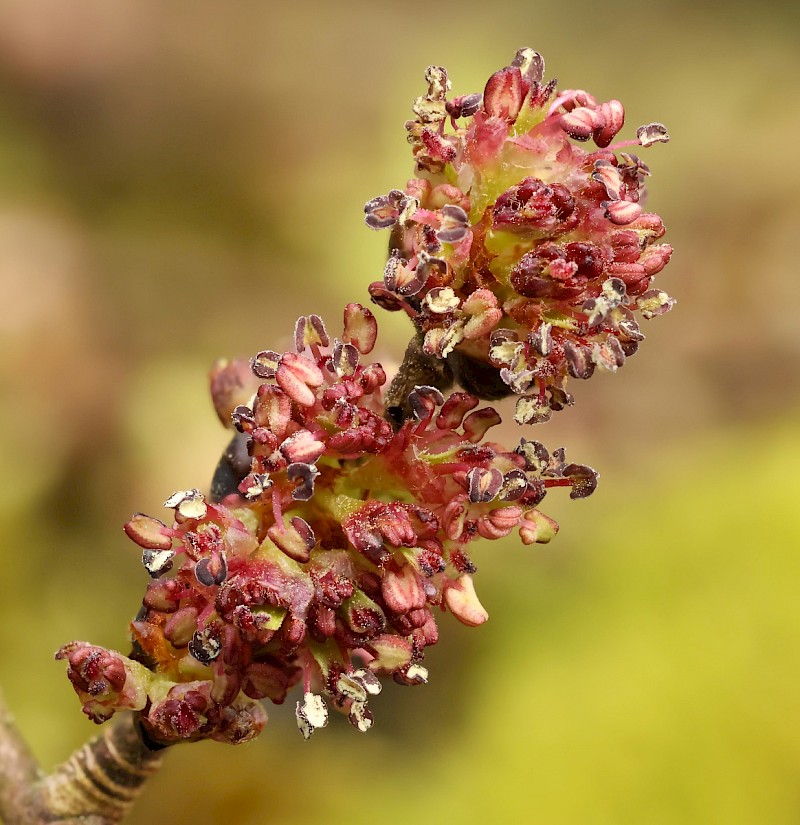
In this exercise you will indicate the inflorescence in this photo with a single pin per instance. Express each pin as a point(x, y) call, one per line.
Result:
point(516, 246)
point(334, 532)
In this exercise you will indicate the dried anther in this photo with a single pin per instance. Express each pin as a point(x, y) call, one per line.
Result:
point(157, 562)
point(188, 504)
point(254, 485)
point(360, 716)
point(311, 714)
point(652, 133)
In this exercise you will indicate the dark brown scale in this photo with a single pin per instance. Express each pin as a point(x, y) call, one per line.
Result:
point(322, 623)
point(369, 622)
point(477, 377)
point(417, 369)
point(232, 468)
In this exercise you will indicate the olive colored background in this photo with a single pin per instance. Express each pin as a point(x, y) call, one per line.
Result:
point(180, 180)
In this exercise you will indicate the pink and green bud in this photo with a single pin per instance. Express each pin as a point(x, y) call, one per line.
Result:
point(504, 93)
point(105, 681)
point(537, 528)
point(391, 653)
point(463, 603)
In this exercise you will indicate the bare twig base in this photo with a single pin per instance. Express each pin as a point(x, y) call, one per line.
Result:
point(97, 785)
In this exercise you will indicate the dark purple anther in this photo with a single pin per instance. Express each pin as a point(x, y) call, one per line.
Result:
point(205, 645)
point(265, 364)
point(455, 223)
point(303, 477)
point(309, 330)
point(464, 105)
point(243, 420)
point(399, 278)
point(383, 211)
point(515, 483)
point(424, 400)
point(583, 478)
point(579, 360)
point(535, 455)
point(212, 570)
point(484, 485)
point(345, 359)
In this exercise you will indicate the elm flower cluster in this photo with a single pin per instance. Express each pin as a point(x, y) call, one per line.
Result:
point(517, 247)
point(324, 563)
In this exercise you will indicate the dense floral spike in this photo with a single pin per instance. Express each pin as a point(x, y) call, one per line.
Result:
point(325, 567)
point(516, 247)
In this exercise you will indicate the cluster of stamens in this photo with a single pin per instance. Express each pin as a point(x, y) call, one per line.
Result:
point(516, 247)
point(327, 563)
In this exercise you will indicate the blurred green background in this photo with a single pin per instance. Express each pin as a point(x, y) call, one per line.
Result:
point(180, 180)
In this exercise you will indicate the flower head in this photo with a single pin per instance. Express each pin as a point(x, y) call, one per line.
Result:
point(516, 246)
point(325, 559)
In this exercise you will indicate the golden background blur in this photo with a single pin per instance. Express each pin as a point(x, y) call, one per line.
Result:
point(180, 180)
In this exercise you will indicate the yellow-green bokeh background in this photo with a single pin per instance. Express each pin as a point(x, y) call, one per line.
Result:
point(180, 180)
